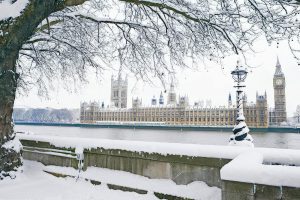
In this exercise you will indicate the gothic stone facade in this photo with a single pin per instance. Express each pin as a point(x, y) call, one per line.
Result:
point(180, 114)
point(119, 92)
point(278, 114)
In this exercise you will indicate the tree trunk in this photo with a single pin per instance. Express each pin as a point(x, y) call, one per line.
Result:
point(9, 158)
point(15, 32)
point(8, 85)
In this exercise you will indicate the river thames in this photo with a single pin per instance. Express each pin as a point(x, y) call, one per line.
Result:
point(266, 139)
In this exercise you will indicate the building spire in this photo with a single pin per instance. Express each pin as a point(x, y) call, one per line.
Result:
point(161, 99)
point(172, 94)
point(265, 94)
point(172, 88)
point(277, 63)
point(278, 71)
point(229, 100)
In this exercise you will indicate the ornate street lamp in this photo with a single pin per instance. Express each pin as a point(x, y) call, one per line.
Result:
point(240, 136)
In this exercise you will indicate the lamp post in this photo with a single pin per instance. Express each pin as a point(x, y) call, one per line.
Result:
point(240, 136)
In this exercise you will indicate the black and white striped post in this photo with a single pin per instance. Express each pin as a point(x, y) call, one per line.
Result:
point(240, 136)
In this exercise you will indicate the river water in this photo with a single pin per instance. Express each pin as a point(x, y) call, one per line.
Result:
point(266, 139)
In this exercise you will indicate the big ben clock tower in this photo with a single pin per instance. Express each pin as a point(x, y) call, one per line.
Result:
point(279, 95)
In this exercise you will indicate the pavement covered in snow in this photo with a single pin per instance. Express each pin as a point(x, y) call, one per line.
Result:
point(194, 190)
point(32, 183)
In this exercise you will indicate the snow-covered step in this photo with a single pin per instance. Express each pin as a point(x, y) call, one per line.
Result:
point(32, 183)
point(127, 181)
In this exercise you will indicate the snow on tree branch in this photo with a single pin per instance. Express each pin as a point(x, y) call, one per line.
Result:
point(149, 37)
point(78, 14)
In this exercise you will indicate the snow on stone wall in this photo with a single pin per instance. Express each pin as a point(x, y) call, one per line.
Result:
point(141, 146)
point(285, 156)
point(251, 165)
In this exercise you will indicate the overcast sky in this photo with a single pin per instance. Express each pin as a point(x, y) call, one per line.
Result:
point(210, 81)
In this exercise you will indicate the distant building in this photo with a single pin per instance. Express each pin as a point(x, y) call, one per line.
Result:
point(136, 103)
point(181, 113)
point(172, 95)
point(183, 101)
point(119, 92)
point(178, 113)
point(161, 99)
point(153, 101)
point(229, 101)
point(262, 113)
point(278, 113)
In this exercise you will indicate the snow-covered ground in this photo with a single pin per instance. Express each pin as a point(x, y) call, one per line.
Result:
point(194, 190)
point(32, 183)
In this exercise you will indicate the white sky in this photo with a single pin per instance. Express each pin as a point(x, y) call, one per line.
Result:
point(209, 82)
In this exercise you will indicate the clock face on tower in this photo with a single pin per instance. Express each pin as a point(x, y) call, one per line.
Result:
point(279, 82)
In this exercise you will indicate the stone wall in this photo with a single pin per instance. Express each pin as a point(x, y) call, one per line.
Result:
point(49, 154)
point(232, 190)
point(180, 169)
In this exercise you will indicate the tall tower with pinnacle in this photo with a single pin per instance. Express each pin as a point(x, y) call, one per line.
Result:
point(119, 92)
point(229, 101)
point(172, 95)
point(279, 94)
point(161, 99)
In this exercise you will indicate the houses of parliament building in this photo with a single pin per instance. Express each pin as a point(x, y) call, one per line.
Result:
point(179, 112)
